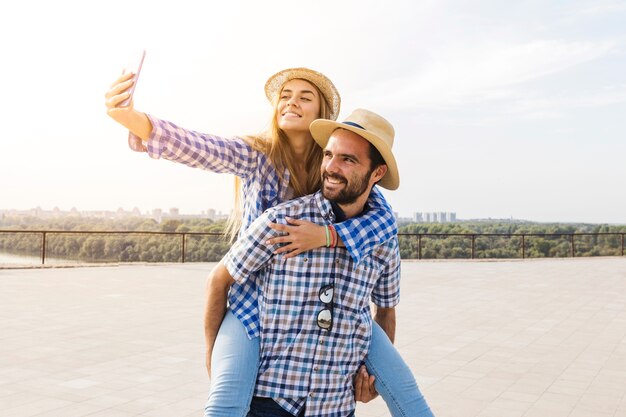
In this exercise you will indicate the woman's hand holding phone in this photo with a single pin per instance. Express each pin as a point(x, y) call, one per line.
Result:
point(126, 102)
point(120, 105)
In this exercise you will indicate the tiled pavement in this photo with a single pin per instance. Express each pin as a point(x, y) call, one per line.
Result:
point(533, 338)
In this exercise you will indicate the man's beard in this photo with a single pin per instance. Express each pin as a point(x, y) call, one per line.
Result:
point(350, 193)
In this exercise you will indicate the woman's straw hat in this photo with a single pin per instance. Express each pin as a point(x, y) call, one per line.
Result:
point(275, 83)
point(371, 127)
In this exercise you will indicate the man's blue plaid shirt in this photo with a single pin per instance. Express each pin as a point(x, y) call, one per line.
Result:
point(301, 363)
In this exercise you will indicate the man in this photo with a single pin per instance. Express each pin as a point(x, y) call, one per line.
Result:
point(315, 307)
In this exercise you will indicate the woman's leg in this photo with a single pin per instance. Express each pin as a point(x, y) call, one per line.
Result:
point(234, 366)
point(394, 379)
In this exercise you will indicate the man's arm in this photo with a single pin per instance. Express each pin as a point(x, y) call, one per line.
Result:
point(216, 293)
point(386, 318)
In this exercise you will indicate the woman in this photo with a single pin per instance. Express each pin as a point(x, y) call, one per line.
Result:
point(278, 165)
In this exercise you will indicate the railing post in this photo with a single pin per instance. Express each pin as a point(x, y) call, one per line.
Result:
point(419, 245)
point(473, 246)
point(622, 244)
point(571, 238)
point(523, 246)
point(43, 248)
point(183, 248)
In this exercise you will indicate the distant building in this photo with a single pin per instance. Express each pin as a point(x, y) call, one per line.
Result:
point(157, 214)
point(434, 217)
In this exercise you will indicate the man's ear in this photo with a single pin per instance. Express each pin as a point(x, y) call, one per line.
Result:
point(379, 173)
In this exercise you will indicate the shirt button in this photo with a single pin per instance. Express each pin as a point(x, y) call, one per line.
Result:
point(311, 394)
point(337, 260)
point(316, 369)
point(321, 342)
point(306, 259)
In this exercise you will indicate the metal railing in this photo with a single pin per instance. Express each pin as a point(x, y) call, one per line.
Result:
point(419, 236)
point(472, 237)
point(45, 233)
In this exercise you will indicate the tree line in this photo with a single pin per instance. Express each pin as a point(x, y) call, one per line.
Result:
point(555, 242)
point(167, 248)
point(104, 247)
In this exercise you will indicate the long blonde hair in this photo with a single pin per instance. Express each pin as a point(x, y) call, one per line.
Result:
point(275, 144)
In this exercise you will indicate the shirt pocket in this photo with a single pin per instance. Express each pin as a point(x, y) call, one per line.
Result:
point(364, 277)
point(290, 281)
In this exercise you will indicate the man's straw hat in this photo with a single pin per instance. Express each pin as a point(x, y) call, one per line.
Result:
point(275, 83)
point(371, 127)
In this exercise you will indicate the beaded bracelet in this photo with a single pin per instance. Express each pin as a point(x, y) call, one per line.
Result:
point(333, 235)
point(327, 236)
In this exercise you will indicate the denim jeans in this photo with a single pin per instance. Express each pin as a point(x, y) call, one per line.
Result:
point(235, 362)
point(266, 407)
point(394, 380)
point(234, 365)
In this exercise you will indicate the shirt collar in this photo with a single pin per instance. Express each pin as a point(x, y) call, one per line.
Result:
point(330, 211)
point(326, 209)
point(338, 211)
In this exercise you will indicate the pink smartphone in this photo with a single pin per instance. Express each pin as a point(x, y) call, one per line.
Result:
point(135, 78)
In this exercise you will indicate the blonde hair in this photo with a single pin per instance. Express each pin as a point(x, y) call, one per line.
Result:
point(275, 144)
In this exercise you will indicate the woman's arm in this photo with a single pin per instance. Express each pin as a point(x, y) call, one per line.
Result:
point(162, 139)
point(200, 150)
point(359, 235)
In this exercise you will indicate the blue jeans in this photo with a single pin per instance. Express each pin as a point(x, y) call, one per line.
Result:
point(266, 407)
point(234, 365)
point(235, 362)
point(394, 380)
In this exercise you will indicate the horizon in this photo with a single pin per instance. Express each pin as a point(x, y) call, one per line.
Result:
point(401, 217)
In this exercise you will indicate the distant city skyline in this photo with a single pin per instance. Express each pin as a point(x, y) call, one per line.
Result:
point(216, 215)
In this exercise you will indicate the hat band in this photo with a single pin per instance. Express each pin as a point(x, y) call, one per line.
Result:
point(354, 125)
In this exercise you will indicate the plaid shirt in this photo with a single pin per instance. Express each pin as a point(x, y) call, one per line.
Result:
point(262, 188)
point(302, 364)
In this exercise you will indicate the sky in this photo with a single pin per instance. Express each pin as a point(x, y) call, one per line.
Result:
point(501, 109)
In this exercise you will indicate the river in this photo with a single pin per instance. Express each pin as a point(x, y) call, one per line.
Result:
point(12, 259)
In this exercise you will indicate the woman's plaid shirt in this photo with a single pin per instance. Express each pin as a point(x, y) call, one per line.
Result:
point(302, 364)
point(262, 188)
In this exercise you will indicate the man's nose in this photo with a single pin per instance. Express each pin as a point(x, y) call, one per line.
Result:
point(331, 165)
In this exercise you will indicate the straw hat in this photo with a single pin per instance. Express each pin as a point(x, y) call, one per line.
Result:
point(371, 127)
point(275, 83)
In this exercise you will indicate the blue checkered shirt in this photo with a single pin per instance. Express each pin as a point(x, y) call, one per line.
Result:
point(262, 188)
point(302, 364)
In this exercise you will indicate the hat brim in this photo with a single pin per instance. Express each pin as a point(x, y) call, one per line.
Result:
point(322, 129)
point(275, 83)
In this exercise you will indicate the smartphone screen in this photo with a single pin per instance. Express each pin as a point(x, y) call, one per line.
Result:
point(135, 78)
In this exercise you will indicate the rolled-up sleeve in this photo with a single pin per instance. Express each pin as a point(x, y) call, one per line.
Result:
point(250, 253)
point(386, 292)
